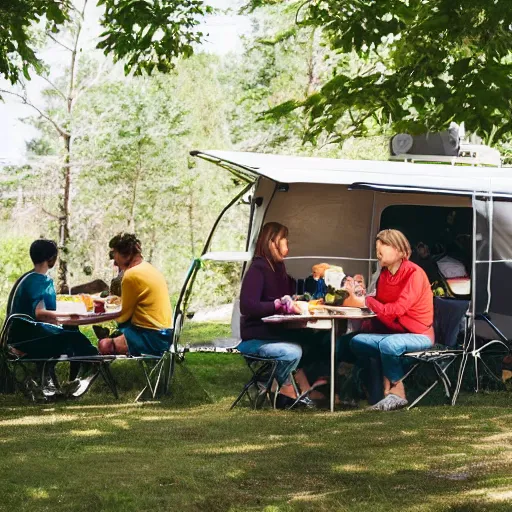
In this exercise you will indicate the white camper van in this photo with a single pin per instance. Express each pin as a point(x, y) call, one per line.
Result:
point(334, 209)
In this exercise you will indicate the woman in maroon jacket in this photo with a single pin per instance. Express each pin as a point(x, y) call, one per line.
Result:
point(266, 290)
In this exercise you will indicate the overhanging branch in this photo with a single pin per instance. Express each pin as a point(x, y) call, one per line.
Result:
point(60, 130)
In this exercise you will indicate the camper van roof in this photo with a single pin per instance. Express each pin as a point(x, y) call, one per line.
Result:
point(373, 174)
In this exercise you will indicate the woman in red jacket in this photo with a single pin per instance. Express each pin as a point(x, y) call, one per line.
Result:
point(404, 307)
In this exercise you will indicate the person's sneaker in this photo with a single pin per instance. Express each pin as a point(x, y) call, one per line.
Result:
point(84, 385)
point(49, 389)
point(68, 388)
point(34, 391)
point(348, 404)
point(304, 403)
point(286, 402)
point(391, 402)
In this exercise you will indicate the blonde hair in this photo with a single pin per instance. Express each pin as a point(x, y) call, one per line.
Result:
point(395, 239)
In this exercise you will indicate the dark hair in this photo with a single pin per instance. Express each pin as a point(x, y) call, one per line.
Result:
point(271, 232)
point(126, 244)
point(42, 250)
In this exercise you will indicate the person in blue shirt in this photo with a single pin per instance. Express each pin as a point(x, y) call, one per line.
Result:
point(37, 335)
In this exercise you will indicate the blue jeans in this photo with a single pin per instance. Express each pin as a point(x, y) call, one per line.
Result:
point(389, 347)
point(288, 354)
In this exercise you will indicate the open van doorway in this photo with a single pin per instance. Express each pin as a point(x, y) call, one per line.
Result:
point(441, 242)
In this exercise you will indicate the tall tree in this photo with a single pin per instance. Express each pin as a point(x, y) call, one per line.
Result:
point(147, 35)
point(424, 64)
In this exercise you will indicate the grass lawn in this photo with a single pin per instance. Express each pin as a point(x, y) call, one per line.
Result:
point(190, 453)
point(195, 333)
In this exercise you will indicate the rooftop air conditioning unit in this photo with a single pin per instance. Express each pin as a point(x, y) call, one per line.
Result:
point(447, 146)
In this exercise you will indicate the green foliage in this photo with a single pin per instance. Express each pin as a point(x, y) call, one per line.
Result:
point(14, 261)
point(147, 35)
point(16, 46)
point(420, 65)
point(151, 35)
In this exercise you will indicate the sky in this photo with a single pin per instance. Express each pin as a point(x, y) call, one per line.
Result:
point(224, 35)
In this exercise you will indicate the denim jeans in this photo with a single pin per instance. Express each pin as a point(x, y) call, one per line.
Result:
point(389, 347)
point(288, 354)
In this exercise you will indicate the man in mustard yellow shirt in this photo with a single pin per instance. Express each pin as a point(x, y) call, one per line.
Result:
point(145, 320)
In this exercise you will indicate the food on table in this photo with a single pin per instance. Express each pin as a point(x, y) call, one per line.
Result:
point(326, 275)
point(71, 304)
point(114, 300)
point(334, 277)
point(88, 301)
point(104, 294)
point(335, 297)
point(303, 306)
point(68, 298)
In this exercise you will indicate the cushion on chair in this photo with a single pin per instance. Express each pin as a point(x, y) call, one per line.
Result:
point(449, 317)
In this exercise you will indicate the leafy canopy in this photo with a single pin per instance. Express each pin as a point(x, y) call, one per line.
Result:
point(16, 47)
point(149, 34)
point(422, 64)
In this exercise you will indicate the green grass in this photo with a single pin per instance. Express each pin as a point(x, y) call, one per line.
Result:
point(195, 333)
point(190, 453)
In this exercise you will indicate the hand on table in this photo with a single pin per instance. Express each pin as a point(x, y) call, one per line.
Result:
point(287, 306)
point(353, 299)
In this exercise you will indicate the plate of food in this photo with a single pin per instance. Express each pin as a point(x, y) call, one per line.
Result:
point(348, 310)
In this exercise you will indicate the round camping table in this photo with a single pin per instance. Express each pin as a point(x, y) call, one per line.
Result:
point(87, 318)
point(309, 322)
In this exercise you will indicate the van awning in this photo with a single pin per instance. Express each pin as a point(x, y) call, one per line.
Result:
point(390, 176)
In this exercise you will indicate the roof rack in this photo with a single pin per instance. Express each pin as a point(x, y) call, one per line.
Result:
point(477, 155)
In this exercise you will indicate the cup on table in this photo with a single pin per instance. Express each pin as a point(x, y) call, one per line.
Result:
point(99, 306)
point(303, 305)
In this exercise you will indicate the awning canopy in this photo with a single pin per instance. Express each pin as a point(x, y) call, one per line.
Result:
point(380, 174)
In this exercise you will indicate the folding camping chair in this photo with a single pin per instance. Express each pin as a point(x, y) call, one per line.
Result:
point(157, 371)
point(258, 388)
point(13, 363)
point(449, 316)
point(472, 349)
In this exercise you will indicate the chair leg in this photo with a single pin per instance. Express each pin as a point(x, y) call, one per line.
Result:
point(425, 393)
point(148, 381)
point(109, 378)
point(262, 392)
point(170, 361)
point(242, 393)
point(441, 377)
point(157, 369)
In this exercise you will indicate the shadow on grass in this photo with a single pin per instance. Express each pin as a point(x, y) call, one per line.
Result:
point(207, 458)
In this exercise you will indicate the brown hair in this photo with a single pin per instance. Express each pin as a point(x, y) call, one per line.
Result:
point(126, 244)
point(271, 232)
point(395, 239)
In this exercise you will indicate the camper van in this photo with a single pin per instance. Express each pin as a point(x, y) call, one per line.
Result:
point(455, 210)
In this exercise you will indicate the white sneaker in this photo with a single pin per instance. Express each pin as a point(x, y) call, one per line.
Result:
point(84, 385)
point(391, 402)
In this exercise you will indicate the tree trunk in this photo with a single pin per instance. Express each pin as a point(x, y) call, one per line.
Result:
point(313, 64)
point(65, 182)
point(65, 186)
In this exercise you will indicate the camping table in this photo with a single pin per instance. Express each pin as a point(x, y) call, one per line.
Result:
point(309, 321)
point(87, 318)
